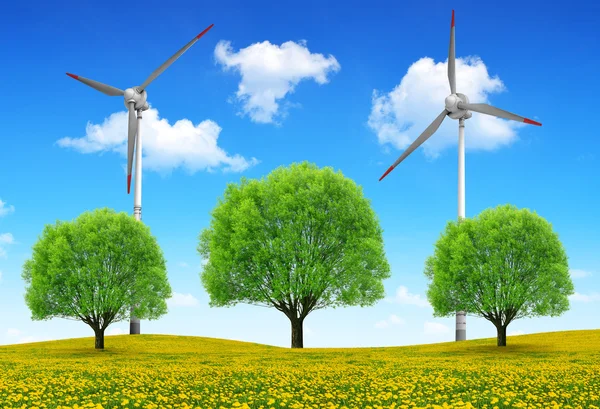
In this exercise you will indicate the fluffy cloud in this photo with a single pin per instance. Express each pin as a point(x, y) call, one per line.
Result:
point(435, 328)
point(585, 298)
point(515, 333)
point(182, 300)
point(392, 320)
point(4, 209)
point(404, 297)
point(5, 238)
point(270, 72)
point(579, 273)
point(399, 117)
point(165, 146)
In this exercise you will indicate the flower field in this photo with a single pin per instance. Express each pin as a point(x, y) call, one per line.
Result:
point(548, 370)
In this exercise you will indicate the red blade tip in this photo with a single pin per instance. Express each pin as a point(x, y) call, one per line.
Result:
point(128, 183)
point(72, 75)
point(529, 121)
point(452, 25)
point(386, 172)
point(205, 30)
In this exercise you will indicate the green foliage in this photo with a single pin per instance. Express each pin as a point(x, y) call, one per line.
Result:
point(503, 265)
point(301, 239)
point(94, 268)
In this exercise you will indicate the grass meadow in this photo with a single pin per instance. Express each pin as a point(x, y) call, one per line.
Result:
point(546, 370)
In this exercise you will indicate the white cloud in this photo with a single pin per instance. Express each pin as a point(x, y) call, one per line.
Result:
point(13, 332)
point(308, 331)
point(27, 339)
point(435, 328)
point(579, 273)
point(515, 333)
point(269, 72)
point(4, 210)
point(391, 320)
point(114, 331)
point(165, 146)
point(404, 297)
point(182, 300)
point(183, 264)
point(399, 117)
point(5, 238)
point(585, 298)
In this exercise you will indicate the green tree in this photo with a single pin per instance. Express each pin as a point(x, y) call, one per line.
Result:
point(93, 269)
point(505, 264)
point(299, 240)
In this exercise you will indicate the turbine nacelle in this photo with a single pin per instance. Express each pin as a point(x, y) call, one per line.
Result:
point(452, 106)
point(135, 95)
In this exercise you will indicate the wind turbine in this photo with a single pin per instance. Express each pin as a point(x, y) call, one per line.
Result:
point(135, 101)
point(458, 107)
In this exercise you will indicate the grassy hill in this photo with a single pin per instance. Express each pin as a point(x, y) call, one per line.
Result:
point(546, 370)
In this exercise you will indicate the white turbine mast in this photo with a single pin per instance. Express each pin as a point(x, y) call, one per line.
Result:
point(458, 107)
point(135, 101)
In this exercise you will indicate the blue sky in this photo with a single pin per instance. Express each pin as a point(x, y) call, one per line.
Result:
point(347, 85)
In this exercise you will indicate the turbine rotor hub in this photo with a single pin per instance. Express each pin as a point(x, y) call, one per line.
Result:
point(452, 102)
point(134, 95)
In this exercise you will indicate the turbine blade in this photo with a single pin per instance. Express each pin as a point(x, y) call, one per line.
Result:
point(493, 111)
point(430, 130)
point(105, 89)
point(131, 133)
point(451, 59)
point(170, 61)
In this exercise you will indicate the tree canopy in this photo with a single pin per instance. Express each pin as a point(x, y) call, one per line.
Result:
point(93, 269)
point(299, 240)
point(505, 264)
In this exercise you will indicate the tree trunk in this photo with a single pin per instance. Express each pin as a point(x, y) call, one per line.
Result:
point(297, 338)
point(501, 335)
point(99, 338)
